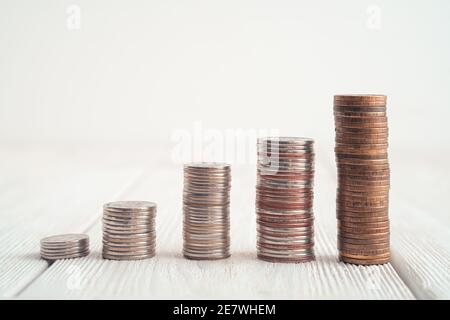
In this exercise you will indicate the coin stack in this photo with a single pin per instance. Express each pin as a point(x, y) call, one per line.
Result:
point(206, 213)
point(65, 246)
point(129, 230)
point(363, 178)
point(284, 199)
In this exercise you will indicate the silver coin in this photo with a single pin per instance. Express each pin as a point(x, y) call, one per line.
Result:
point(130, 206)
point(64, 239)
point(81, 244)
point(47, 256)
point(110, 256)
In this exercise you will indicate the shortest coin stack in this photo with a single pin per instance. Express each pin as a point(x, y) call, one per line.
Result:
point(129, 230)
point(65, 246)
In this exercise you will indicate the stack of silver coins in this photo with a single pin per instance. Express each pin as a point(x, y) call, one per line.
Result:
point(206, 212)
point(284, 199)
point(129, 230)
point(65, 246)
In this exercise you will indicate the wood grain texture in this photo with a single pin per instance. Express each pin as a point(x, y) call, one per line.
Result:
point(242, 276)
point(55, 197)
point(421, 249)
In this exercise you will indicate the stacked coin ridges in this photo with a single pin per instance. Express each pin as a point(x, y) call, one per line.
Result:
point(65, 246)
point(129, 230)
point(363, 178)
point(206, 211)
point(284, 199)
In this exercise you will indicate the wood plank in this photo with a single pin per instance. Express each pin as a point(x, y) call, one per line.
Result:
point(54, 197)
point(242, 276)
point(421, 247)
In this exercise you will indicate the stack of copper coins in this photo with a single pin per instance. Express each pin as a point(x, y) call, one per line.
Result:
point(129, 230)
point(284, 199)
point(206, 212)
point(363, 178)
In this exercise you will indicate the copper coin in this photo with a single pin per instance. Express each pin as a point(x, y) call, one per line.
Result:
point(363, 256)
point(342, 215)
point(366, 125)
point(346, 153)
point(355, 142)
point(359, 110)
point(363, 183)
point(360, 176)
point(362, 236)
point(362, 210)
point(349, 133)
point(363, 230)
point(352, 161)
point(346, 224)
point(342, 245)
point(371, 168)
point(377, 241)
point(374, 201)
point(363, 219)
point(357, 113)
point(364, 252)
point(366, 100)
point(365, 262)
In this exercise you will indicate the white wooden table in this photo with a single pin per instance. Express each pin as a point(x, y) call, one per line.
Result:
point(47, 190)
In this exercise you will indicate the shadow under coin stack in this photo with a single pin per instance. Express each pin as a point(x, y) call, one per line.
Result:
point(284, 199)
point(129, 230)
point(206, 213)
point(64, 246)
point(363, 178)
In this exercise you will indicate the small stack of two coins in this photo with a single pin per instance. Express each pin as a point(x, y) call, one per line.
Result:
point(363, 178)
point(65, 246)
point(206, 213)
point(129, 230)
point(284, 199)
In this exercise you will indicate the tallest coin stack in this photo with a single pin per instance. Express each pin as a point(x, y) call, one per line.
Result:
point(363, 178)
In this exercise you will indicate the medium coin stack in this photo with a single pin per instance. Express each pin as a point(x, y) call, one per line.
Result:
point(284, 199)
point(206, 213)
point(129, 230)
point(363, 178)
point(65, 246)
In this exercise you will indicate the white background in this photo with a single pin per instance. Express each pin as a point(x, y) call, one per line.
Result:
point(136, 71)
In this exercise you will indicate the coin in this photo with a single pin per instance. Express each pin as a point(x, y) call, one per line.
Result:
point(362, 197)
point(365, 261)
point(284, 199)
point(366, 242)
point(129, 230)
point(64, 246)
point(371, 100)
point(206, 212)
